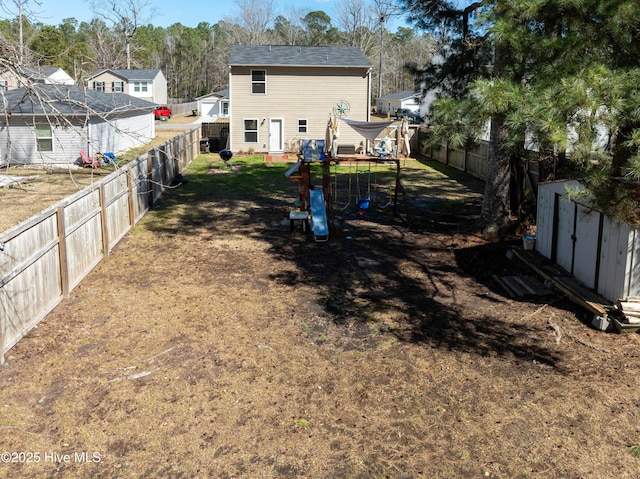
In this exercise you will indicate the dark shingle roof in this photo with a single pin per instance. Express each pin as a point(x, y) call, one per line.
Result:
point(38, 73)
point(130, 75)
point(68, 100)
point(401, 95)
point(282, 55)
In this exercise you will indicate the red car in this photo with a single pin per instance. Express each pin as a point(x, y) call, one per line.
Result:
point(162, 113)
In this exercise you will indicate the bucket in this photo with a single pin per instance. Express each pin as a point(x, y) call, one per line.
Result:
point(529, 242)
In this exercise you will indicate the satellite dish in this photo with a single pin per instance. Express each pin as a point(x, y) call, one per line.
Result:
point(341, 108)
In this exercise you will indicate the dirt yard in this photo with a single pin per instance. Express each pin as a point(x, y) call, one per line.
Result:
point(215, 343)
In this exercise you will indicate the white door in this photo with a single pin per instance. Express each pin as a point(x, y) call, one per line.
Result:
point(585, 253)
point(275, 135)
point(565, 233)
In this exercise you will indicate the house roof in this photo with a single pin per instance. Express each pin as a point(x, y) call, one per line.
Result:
point(68, 100)
point(39, 73)
point(129, 75)
point(401, 95)
point(218, 94)
point(284, 55)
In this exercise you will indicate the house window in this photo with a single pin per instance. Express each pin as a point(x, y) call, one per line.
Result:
point(98, 85)
point(4, 85)
point(44, 137)
point(302, 125)
point(117, 86)
point(225, 108)
point(259, 81)
point(251, 131)
point(140, 86)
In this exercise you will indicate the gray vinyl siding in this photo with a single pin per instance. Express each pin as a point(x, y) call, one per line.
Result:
point(21, 145)
point(117, 135)
point(294, 93)
point(120, 134)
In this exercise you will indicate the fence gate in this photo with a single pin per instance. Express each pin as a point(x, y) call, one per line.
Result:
point(217, 133)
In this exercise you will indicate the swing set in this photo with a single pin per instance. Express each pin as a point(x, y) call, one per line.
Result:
point(363, 185)
point(316, 203)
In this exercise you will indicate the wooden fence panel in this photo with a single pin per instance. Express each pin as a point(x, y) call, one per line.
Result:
point(457, 159)
point(82, 234)
point(116, 207)
point(140, 187)
point(31, 283)
point(45, 257)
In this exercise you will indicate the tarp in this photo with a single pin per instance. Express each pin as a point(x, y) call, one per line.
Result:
point(369, 129)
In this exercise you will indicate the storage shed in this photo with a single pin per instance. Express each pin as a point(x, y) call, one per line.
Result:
point(600, 252)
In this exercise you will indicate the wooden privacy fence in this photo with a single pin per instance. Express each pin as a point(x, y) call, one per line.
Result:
point(45, 257)
point(474, 159)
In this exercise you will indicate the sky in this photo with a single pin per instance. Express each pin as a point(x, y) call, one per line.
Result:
point(168, 12)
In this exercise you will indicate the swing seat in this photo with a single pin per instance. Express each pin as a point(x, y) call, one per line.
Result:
point(364, 203)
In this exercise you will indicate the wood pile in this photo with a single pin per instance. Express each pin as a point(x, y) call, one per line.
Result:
point(630, 309)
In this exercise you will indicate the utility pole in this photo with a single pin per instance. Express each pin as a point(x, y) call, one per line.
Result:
point(382, 20)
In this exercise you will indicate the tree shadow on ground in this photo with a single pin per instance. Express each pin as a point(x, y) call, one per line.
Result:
point(377, 275)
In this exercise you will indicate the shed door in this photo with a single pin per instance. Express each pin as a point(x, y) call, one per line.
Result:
point(577, 231)
point(564, 232)
point(275, 135)
point(585, 253)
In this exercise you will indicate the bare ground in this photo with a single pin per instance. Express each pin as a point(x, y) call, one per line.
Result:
point(213, 342)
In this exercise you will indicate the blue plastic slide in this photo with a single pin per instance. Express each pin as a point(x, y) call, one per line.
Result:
point(319, 224)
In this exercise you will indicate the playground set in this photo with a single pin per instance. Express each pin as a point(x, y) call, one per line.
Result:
point(315, 203)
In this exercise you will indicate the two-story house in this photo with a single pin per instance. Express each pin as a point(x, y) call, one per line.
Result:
point(280, 95)
point(150, 85)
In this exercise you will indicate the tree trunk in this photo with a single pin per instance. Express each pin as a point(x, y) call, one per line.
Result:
point(494, 217)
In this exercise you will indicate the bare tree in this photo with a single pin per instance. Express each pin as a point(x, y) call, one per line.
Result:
point(21, 11)
point(254, 19)
point(360, 24)
point(126, 16)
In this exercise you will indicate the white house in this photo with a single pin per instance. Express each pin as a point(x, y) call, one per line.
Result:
point(150, 85)
point(51, 124)
point(407, 99)
point(214, 105)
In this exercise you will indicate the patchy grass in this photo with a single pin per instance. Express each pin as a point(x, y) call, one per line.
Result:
point(213, 342)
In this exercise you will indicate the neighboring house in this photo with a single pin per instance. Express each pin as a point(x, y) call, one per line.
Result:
point(51, 124)
point(150, 85)
point(407, 99)
point(214, 105)
point(12, 79)
point(280, 95)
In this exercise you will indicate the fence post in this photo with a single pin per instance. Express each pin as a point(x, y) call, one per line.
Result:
point(62, 251)
point(103, 220)
point(150, 156)
point(130, 199)
point(446, 153)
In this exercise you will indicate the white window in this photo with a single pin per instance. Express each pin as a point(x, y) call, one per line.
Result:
point(117, 86)
point(98, 86)
point(251, 131)
point(225, 108)
point(44, 137)
point(303, 125)
point(4, 85)
point(140, 86)
point(259, 81)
